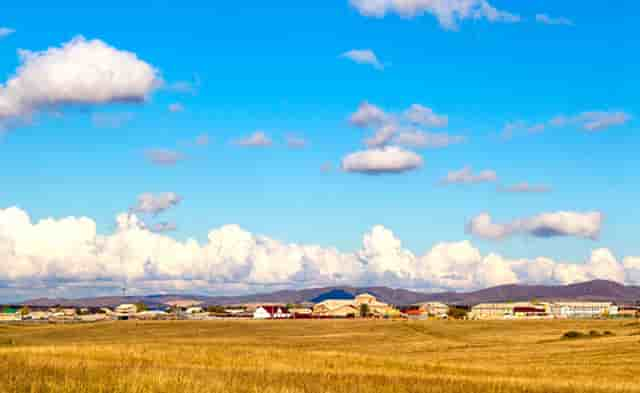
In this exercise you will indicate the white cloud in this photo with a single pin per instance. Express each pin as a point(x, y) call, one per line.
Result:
point(202, 140)
point(257, 139)
point(80, 72)
point(5, 32)
point(54, 256)
point(163, 157)
point(389, 159)
point(448, 12)
point(424, 116)
point(593, 120)
point(427, 140)
point(466, 176)
point(597, 121)
point(382, 136)
point(368, 115)
point(296, 142)
point(562, 223)
point(525, 188)
point(548, 20)
point(165, 226)
point(175, 107)
point(153, 204)
point(364, 56)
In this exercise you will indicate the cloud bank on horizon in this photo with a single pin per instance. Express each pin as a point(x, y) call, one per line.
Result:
point(65, 256)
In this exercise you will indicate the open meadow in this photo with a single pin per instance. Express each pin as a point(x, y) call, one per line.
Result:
point(321, 356)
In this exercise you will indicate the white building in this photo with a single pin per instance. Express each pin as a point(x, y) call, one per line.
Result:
point(271, 312)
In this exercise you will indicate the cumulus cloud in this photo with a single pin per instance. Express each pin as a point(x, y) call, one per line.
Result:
point(389, 159)
point(427, 140)
point(54, 255)
point(163, 157)
point(5, 32)
point(448, 12)
point(175, 107)
point(257, 139)
point(368, 115)
point(525, 188)
point(548, 20)
point(424, 116)
point(150, 203)
point(80, 72)
point(466, 176)
point(363, 56)
point(555, 224)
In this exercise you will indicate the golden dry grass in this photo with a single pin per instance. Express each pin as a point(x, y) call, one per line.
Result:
point(320, 356)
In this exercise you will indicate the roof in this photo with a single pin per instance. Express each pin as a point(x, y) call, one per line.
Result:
point(274, 309)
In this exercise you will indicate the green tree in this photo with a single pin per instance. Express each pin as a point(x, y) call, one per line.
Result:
point(456, 312)
point(216, 309)
point(364, 310)
point(25, 310)
point(140, 306)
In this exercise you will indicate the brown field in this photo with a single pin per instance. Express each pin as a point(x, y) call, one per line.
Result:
point(320, 356)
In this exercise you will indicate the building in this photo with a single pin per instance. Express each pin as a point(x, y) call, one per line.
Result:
point(583, 309)
point(271, 312)
point(434, 309)
point(341, 308)
point(10, 314)
point(496, 310)
point(124, 312)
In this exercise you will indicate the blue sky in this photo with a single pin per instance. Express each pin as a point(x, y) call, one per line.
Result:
point(278, 68)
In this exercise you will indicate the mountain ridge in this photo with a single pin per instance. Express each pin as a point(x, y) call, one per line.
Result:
point(602, 290)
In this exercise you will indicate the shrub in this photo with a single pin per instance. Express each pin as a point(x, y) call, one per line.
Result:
point(594, 333)
point(573, 334)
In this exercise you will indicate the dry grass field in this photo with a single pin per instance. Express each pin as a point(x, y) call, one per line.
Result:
point(320, 356)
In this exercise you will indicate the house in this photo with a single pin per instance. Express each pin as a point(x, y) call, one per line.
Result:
point(341, 308)
point(336, 309)
point(434, 309)
point(39, 315)
point(301, 312)
point(271, 312)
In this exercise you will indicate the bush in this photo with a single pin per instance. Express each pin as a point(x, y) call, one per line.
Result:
point(608, 333)
point(573, 334)
point(594, 333)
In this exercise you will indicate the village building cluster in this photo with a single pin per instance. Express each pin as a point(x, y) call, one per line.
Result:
point(363, 305)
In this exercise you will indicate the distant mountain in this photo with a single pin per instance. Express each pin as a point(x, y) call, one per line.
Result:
point(592, 290)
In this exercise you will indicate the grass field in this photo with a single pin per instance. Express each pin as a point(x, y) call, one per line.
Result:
point(320, 356)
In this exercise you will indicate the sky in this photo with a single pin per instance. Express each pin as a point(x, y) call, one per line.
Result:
point(226, 149)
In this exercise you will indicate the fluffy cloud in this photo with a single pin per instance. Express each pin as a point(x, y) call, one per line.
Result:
point(153, 204)
point(51, 256)
point(384, 160)
point(368, 115)
point(466, 176)
point(80, 72)
point(448, 12)
point(563, 223)
point(424, 116)
point(427, 140)
point(5, 32)
point(525, 188)
point(363, 56)
point(548, 20)
point(163, 157)
point(257, 139)
point(164, 226)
